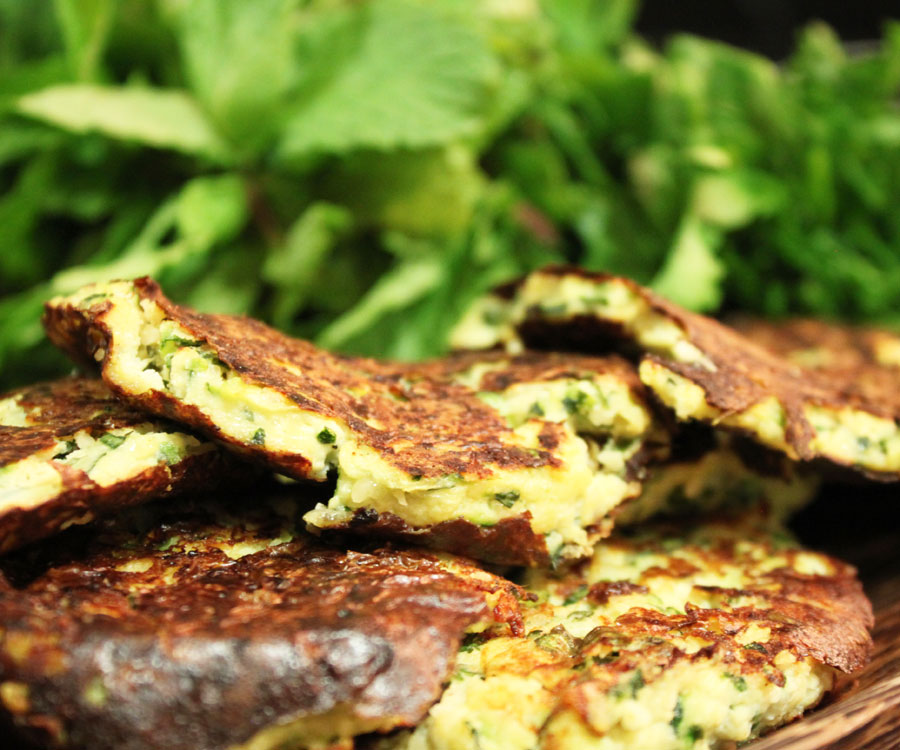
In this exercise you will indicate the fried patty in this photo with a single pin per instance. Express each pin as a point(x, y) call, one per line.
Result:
point(692, 636)
point(508, 459)
point(70, 451)
point(699, 367)
point(729, 473)
point(866, 360)
point(214, 626)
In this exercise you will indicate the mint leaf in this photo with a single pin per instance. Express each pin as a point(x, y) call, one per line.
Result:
point(212, 209)
point(183, 230)
point(732, 199)
point(240, 63)
point(155, 117)
point(85, 26)
point(401, 286)
point(692, 274)
point(418, 78)
point(427, 192)
point(292, 266)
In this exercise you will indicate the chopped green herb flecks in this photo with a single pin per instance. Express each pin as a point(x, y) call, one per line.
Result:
point(493, 317)
point(694, 733)
point(169, 543)
point(577, 595)
point(92, 298)
point(607, 659)
point(756, 647)
point(166, 342)
point(551, 310)
point(536, 410)
point(574, 401)
point(739, 682)
point(113, 441)
point(636, 683)
point(69, 447)
point(259, 437)
point(471, 642)
point(630, 688)
point(326, 436)
point(507, 499)
point(557, 641)
point(677, 715)
point(169, 453)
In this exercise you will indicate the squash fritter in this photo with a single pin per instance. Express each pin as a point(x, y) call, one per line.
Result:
point(511, 460)
point(70, 451)
point(702, 369)
point(675, 636)
point(213, 625)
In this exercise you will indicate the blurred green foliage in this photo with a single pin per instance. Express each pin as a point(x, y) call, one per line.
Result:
point(355, 172)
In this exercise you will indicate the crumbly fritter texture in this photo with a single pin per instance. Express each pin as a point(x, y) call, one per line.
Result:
point(708, 371)
point(676, 636)
point(494, 456)
point(52, 438)
point(865, 360)
point(213, 625)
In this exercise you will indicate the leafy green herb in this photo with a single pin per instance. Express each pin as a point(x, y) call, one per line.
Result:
point(385, 162)
point(91, 298)
point(326, 436)
point(557, 641)
point(259, 437)
point(629, 688)
point(738, 681)
point(556, 556)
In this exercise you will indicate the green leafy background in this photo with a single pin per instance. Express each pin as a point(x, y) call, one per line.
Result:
point(356, 172)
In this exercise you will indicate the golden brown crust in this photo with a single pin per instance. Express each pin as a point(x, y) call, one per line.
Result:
point(412, 415)
point(822, 616)
point(428, 420)
point(56, 412)
point(193, 649)
point(534, 367)
point(848, 354)
point(511, 541)
point(746, 373)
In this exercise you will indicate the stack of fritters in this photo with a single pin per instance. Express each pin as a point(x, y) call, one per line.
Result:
point(271, 598)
